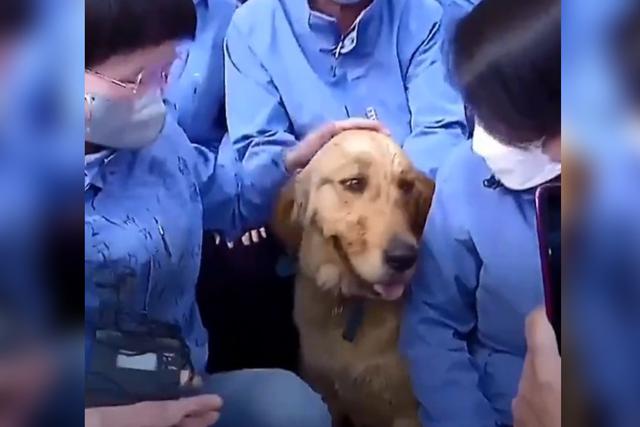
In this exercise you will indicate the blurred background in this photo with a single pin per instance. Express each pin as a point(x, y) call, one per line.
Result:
point(601, 210)
point(41, 242)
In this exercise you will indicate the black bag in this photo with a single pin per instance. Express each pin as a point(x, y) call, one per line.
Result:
point(142, 361)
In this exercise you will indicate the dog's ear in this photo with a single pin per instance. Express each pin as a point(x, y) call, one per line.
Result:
point(421, 203)
point(291, 213)
point(285, 223)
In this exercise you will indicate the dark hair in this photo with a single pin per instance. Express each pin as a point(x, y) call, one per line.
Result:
point(116, 27)
point(16, 16)
point(626, 45)
point(506, 61)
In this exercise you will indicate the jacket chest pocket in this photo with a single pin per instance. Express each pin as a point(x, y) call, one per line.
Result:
point(388, 103)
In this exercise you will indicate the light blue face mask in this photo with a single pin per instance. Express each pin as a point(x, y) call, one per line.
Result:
point(125, 123)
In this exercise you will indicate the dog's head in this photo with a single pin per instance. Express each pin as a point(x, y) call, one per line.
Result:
point(355, 216)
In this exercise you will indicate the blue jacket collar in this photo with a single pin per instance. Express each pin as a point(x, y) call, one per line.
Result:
point(363, 35)
point(94, 167)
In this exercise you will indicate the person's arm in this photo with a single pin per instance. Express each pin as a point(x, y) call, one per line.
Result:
point(438, 122)
point(217, 174)
point(198, 95)
point(439, 315)
point(259, 128)
point(539, 399)
point(199, 411)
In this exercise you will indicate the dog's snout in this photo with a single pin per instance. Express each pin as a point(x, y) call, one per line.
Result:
point(400, 255)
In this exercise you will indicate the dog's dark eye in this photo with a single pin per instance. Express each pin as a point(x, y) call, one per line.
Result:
point(406, 186)
point(354, 185)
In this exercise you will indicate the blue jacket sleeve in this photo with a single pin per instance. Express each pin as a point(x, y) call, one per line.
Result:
point(438, 122)
point(228, 209)
point(240, 183)
point(440, 314)
point(465, 5)
point(198, 96)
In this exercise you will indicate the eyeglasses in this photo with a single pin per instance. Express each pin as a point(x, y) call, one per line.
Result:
point(160, 77)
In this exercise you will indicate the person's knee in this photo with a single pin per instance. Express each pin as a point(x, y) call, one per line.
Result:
point(288, 401)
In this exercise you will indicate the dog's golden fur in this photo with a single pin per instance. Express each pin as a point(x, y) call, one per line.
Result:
point(358, 194)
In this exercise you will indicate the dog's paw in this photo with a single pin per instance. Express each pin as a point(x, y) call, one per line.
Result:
point(328, 277)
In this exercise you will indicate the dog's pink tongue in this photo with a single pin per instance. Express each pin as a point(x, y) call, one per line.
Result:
point(390, 292)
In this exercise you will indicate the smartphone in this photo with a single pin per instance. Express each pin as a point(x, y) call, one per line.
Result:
point(548, 218)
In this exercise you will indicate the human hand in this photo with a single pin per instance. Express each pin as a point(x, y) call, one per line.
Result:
point(248, 238)
point(539, 399)
point(302, 153)
point(199, 411)
point(254, 236)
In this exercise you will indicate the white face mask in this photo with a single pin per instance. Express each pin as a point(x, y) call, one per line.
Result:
point(125, 123)
point(516, 168)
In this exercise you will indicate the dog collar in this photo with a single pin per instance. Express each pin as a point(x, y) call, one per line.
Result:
point(355, 316)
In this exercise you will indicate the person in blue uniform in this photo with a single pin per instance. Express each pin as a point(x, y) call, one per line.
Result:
point(292, 65)
point(197, 96)
point(149, 193)
point(480, 273)
point(453, 11)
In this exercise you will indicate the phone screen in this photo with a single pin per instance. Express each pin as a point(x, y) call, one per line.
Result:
point(549, 235)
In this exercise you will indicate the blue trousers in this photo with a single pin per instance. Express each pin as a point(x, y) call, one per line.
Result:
point(266, 398)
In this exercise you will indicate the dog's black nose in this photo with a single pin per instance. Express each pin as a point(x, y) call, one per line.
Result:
point(401, 255)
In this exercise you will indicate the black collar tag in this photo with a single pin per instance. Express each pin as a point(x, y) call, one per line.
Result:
point(355, 316)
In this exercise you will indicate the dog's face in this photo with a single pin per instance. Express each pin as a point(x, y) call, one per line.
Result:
point(357, 213)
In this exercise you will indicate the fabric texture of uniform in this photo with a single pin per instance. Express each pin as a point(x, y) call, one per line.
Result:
point(289, 70)
point(478, 278)
point(197, 96)
point(144, 216)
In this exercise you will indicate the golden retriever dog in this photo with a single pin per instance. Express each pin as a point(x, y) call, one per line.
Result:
point(354, 217)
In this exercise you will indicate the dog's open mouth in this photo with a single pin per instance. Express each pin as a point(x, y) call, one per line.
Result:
point(390, 291)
